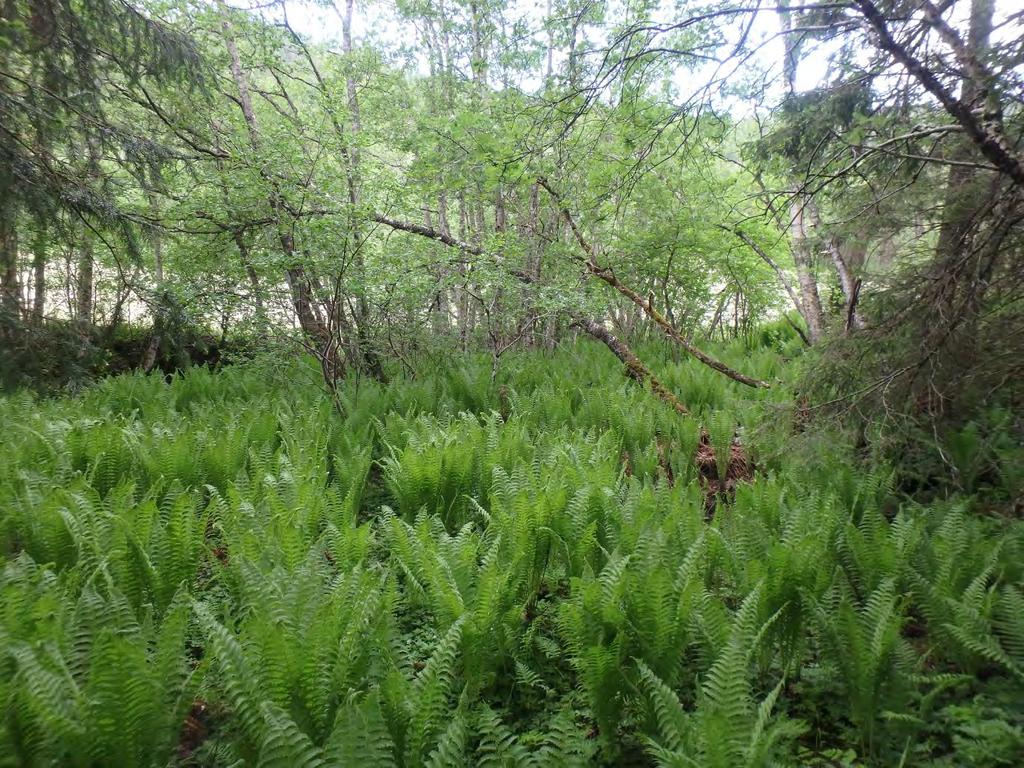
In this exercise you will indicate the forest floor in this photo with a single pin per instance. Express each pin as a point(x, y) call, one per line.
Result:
point(547, 568)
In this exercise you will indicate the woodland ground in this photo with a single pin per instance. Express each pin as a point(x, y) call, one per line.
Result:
point(534, 570)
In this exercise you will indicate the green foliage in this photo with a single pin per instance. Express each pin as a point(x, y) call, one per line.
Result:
point(221, 569)
point(60, 356)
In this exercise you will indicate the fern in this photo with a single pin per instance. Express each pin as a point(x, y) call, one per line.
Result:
point(433, 689)
point(224, 570)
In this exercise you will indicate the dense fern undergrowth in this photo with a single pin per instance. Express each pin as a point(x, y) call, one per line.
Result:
point(222, 570)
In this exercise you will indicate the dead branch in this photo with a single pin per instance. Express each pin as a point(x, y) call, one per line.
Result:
point(608, 276)
point(634, 366)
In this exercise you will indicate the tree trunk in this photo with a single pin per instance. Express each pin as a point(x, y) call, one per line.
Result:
point(550, 68)
point(84, 282)
point(963, 196)
point(254, 280)
point(155, 340)
point(478, 65)
point(810, 300)
point(439, 303)
point(295, 272)
point(10, 300)
point(532, 266)
point(464, 300)
point(243, 254)
point(351, 94)
point(849, 283)
point(298, 285)
point(799, 224)
point(39, 276)
point(158, 243)
point(499, 209)
point(367, 358)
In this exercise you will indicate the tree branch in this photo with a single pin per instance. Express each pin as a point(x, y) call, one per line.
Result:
point(673, 333)
point(771, 263)
point(986, 135)
point(634, 366)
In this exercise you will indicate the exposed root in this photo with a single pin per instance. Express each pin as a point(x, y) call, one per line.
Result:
point(739, 470)
point(195, 730)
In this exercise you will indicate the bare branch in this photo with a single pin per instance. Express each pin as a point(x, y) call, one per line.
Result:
point(608, 276)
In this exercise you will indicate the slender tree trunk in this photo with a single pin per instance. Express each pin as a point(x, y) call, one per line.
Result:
point(803, 258)
point(295, 274)
point(448, 301)
point(572, 63)
point(84, 282)
point(500, 223)
point(963, 196)
point(550, 68)
point(717, 317)
point(155, 339)
point(439, 303)
point(534, 252)
point(350, 92)
point(799, 218)
point(156, 238)
point(238, 237)
point(85, 289)
point(241, 82)
point(254, 280)
point(367, 357)
point(122, 293)
point(465, 300)
point(479, 63)
point(158, 243)
point(39, 275)
point(846, 260)
point(847, 281)
point(10, 294)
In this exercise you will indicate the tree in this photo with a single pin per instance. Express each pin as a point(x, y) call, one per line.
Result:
point(62, 67)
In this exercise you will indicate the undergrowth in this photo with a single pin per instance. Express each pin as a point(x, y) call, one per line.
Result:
point(222, 570)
